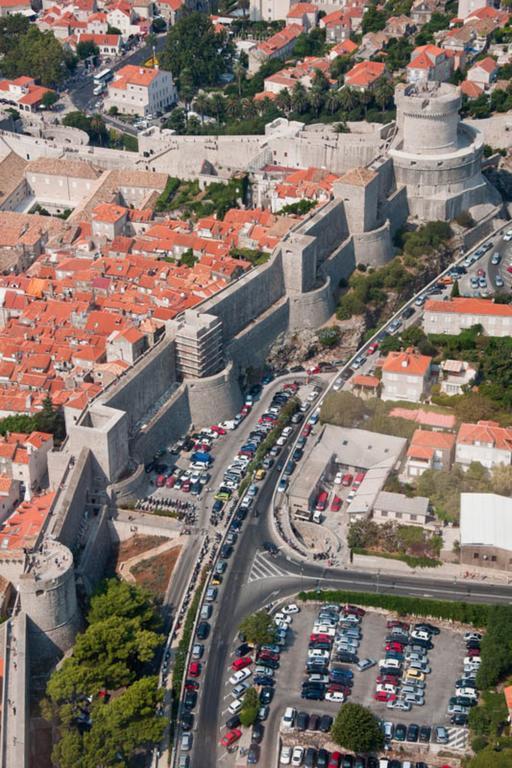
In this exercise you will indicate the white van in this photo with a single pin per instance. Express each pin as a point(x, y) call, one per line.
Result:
point(317, 517)
point(235, 707)
point(288, 718)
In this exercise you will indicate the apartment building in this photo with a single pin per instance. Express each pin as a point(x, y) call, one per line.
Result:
point(395, 507)
point(364, 75)
point(485, 442)
point(406, 376)
point(429, 63)
point(457, 314)
point(23, 93)
point(483, 73)
point(198, 345)
point(279, 46)
point(141, 91)
point(429, 450)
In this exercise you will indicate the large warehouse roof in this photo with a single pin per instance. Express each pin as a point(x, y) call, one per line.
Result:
point(486, 518)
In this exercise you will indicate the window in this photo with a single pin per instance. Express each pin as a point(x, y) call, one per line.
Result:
point(475, 555)
point(493, 558)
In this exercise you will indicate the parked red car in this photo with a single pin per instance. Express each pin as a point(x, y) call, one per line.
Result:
point(394, 646)
point(335, 760)
point(395, 624)
point(474, 652)
point(320, 638)
point(268, 655)
point(373, 347)
point(191, 685)
point(354, 609)
point(384, 696)
point(218, 430)
point(160, 481)
point(307, 430)
point(241, 663)
point(170, 481)
point(336, 504)
point(231, 737)
point(346, 479)
point(391, 679)
point(194, 669)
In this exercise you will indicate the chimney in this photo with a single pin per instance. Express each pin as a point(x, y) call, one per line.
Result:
point(405, 363)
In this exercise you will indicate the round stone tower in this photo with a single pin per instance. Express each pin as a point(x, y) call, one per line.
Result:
point(48, 597)
point(436, 157)
point(428, 118)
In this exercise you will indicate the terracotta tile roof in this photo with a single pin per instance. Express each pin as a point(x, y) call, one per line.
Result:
point(488, 65)
point(21, 529)
point(409, 363)
point(298, 10)
point(462, 306)
point(435, 440)
point(358, 177)
point(365, 73)
point(363, 380)
point(486, 433)
point(471, 90)
point(420, 452)
point(427, 418)
point(132, 75)
point(280, 39)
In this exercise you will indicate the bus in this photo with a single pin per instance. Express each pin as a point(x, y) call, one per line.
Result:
point(103, 77)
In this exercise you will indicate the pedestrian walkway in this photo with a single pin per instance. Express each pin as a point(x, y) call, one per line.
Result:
point(264, 568)
point(458, 738)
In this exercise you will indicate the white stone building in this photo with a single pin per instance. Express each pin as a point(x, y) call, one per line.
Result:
point(405, 376)
point(141, 91)
point(485, 442)
point(455, 315)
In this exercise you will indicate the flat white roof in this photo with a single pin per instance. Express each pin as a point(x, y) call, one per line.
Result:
point(486, 519)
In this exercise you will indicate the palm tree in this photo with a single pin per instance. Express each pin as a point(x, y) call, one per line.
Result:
point(201, 104)
point(346, 99)
point(332, 101)
point(239, 73)
point(320, 81)
point(248, 109)
point(233, 108)
point(217, 105)
point(299, 98)
point(283, 101)
point(383, 93)
point(316, 100)
point(264, 105)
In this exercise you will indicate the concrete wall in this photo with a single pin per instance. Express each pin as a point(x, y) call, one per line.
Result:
point(340, 264)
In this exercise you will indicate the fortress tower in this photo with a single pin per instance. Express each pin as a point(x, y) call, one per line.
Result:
point(48, 597)
point(435, 156)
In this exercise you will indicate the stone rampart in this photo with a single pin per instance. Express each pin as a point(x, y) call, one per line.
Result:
point(373, 248)
point(311, 309)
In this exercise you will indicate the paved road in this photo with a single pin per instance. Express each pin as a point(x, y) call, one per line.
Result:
point(253, 579)
point(81, 92)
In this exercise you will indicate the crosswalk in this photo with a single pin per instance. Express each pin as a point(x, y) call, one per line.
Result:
point(458, 738)
point(264, 568)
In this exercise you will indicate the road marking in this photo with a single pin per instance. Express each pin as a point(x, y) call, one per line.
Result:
point(458, 738)
point(264, 569)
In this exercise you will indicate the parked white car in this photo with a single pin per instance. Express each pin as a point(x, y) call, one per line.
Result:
point(290, 608)
point(285, 757)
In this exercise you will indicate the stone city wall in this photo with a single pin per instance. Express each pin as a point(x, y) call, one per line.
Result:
point(311, 309)
point(373, 248)
point(250, 347)
point(97, 552)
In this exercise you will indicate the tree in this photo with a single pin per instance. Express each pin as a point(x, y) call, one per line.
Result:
point(258, 628)
point(250, 707)
point(283, 101)
point(32, 52)
point(51, 420)
point(455, 292)
point(193, 44)
point(316, 100)
point(87, 48)
point(177, 120)
point(201, 104)
point(239, 72)
point(357, 729)
point(491, 758)
point(119, 598)
point(383, 93)
point(158, 25)
point(299, 98)
point(329, 337)
point(502, 480)
point(373, 20)
point(332, 101)
point(49, 99)
point(217, 104)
